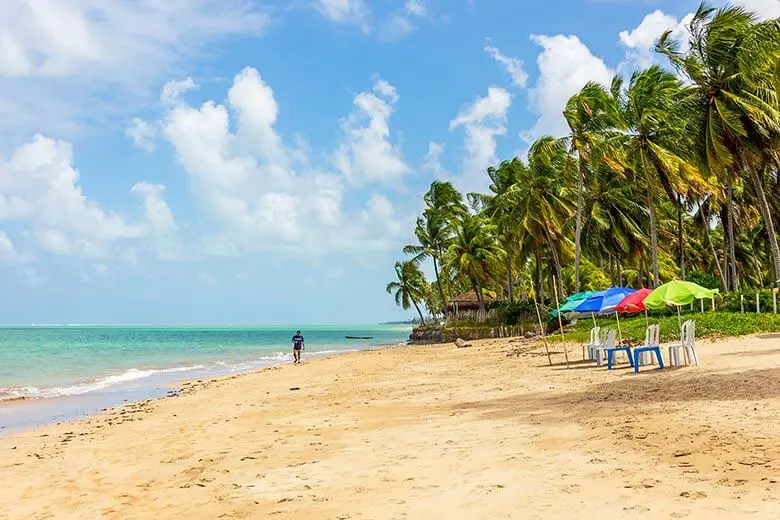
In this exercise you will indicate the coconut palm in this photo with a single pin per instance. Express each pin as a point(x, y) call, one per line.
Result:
point(732, 63)
point(499, 208)
point(592, 116)
point(654, 146)
point(475, 254)
point(433, 236)
point(409, 286)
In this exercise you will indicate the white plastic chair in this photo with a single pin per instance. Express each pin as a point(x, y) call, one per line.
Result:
point(601, 350)
point(593, 342)
point(652, 339)
point(687, 345)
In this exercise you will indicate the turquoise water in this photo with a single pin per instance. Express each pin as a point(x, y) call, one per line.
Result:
point(41, 362)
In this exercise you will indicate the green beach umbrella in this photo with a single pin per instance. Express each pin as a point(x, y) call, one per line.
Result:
point(678, 293)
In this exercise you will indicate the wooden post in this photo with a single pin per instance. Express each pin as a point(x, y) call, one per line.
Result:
point(758, 305)
point(541, 331)
point(774, 300)
point(713, 304)
point(560, 322)
point(702, 305)
point(742, 303)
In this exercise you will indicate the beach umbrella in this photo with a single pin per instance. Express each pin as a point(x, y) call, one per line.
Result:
point(604, 302)
point(677, 293)
point(571, 302)
point(634, 302)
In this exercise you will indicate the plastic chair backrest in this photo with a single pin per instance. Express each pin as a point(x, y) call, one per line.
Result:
point(595, 339)
point(690, 340)
point(611, 338)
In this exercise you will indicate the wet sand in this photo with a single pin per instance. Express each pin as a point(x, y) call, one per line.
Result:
point(489, 431)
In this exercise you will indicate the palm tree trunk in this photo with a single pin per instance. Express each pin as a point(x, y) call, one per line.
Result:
point(509, 280)
point(620, 271)
point(766, 214)
point(611, 271)
point(706, 224)
point(438, 284)
point(558, 271)
point(478, 292)
point(539, 279)
point(653, 238)
point(680, 242)
point(758, 270)
point(578, 227)
point(730, 238)
point(653, 220)
point(419, 312)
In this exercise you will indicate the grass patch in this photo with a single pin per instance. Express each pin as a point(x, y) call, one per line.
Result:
point(708, 325)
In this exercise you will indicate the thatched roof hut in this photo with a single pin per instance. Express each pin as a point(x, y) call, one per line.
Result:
point(467, 302)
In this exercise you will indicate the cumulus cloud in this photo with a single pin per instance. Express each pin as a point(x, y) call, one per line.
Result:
point(142, 134)
point(260, 193)
point(40, 187)
point(766, 9)
point(7, 250)
point(640, 42)
point(482, 122)
point(565, 66)
point(345, 11)
point(60, 57)
point(367, 154)
point(513, 66)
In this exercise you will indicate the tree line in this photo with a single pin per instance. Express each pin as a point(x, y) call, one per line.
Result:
point(671, 173)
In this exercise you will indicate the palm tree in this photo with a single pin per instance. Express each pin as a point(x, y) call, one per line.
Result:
point(591, 115)
point(433, 236)
point(541, 199)
point(653, 148)
point(499, 208)
point(732, 65)
point(409, 286)
point(475, 253)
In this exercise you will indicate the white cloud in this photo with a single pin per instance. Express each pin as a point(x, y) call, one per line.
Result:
point(513, 66)
point(367, 154)
point(482, 122)
point(7, 251)
point(640, 42)
point(142, 134)
point(766, 9)
point(60, 57)
point(39, 186)
point(432, 160)
point(565, 66)
point(173, 89)
point(260, 193)
point(415, 8)
point(345, 11)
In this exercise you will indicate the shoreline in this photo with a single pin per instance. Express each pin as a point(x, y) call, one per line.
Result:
point(424, 432)
point(24, 413)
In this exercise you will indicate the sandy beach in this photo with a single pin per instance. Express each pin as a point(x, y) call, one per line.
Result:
point(489, 431)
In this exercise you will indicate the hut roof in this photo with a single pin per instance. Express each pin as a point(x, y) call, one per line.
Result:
point(468, 299)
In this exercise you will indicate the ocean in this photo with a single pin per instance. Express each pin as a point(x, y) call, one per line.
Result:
point(52, 373)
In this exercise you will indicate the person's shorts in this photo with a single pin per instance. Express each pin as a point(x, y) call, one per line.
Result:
point(297, 347)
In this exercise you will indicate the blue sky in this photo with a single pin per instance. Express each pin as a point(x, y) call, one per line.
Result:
point(237, 161)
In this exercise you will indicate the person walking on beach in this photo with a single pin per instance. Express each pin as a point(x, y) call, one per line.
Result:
point(298, 345)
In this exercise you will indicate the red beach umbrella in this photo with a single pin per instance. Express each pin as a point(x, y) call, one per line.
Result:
point(633, 302)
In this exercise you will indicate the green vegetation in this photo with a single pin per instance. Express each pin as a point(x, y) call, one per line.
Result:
point(673, 173)
point(708, 325)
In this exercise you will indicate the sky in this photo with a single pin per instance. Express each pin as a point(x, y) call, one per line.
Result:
point(261, 161)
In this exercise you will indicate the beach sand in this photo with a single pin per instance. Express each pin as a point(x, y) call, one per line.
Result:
point(436, 432)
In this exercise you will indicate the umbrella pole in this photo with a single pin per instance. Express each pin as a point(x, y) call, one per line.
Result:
point(647, 321)
point(541, 331)
point(560, 322)
point(679, 319)
point(620, 334)
point(593, 316)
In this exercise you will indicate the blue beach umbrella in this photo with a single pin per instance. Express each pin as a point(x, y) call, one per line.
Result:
point(604, 302)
